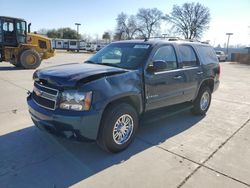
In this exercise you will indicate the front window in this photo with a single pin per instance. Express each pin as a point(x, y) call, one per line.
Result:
point(123, 55)
point(8, 26)
point(167, 55)
point(21, 27)
point(21, 31)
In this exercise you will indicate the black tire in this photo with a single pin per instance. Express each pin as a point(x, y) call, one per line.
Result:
point(198, 108)
point(16, 63)
point(35, 59)
point(115, 112)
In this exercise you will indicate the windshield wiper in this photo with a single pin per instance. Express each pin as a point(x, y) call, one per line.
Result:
point(109, 64)
point(90, 62)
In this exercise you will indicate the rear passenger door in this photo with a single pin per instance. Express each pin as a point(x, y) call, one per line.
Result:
point(192, 71)
point(163, 88)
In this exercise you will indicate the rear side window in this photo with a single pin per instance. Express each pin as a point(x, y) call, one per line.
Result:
point(207, 54)
point(188, 56)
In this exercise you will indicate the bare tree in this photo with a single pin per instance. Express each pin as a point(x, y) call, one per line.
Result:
point(190, 19)
point(149, 21)
point(106, 36)
point(126, 26)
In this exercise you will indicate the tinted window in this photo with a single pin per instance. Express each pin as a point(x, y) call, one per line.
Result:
point(166, 54)
point(0, 31)
point(21, 28)
point(124, 55)
point(188, 56)
point(207, 54)
point(21, 31)
point(8, 26)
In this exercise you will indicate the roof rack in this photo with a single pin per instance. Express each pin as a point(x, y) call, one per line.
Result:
point(170, 38)
point(167, 38)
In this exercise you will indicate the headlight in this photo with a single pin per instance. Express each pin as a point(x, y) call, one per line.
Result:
point(76, 100)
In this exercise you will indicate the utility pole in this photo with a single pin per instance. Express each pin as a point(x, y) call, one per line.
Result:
point(229, 34)
point(78, 42)
point(249, 33)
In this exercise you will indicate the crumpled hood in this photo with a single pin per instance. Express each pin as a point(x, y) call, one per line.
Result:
point(70, 75)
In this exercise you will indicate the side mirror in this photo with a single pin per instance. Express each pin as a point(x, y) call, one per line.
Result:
point(159, 65)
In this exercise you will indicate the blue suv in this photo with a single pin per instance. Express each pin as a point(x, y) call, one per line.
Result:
point(103, 98)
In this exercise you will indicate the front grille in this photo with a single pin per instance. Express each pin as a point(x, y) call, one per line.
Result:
point(45, 96)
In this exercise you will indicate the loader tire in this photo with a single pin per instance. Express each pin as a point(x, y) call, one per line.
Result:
point(29, 59)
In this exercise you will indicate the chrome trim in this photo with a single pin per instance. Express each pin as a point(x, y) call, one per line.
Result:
point(175, 70)
point(47, 87)
point(123, 129)
point(45, 95)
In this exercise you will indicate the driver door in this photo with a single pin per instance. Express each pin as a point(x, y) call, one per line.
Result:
point(164, 87)
point(21, 31)
point(9, 35)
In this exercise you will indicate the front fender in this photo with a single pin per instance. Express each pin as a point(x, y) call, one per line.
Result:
point(111, 88)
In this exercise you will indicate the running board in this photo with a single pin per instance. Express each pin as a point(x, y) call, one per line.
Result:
point(163, 113)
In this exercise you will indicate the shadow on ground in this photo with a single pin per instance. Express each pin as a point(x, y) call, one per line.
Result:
point(10, 68)
point(31, 158)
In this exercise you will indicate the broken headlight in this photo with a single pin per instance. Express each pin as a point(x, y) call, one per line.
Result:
point(76, 100)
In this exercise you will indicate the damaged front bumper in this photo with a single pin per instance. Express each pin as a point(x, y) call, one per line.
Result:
point(79, 125)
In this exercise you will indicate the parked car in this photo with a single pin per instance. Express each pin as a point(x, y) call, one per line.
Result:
point(221, 56)
point(100, 46)
point(104, 98)
point(91, 47)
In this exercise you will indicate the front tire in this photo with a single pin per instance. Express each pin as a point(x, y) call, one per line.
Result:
point(30, 59)
point(202, 102)
point(118, 128)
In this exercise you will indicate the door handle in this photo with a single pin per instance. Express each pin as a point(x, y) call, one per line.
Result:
point(177, 77)
point(199, 73)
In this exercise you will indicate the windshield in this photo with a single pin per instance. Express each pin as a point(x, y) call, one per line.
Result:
point(123, 55)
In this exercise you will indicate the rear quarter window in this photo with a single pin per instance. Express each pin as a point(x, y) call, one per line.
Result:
point(207, 54)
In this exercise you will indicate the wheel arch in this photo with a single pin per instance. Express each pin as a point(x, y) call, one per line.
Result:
point(207, 82)
point(132, 99)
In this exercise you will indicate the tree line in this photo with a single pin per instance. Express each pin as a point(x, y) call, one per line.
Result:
point(189, 21)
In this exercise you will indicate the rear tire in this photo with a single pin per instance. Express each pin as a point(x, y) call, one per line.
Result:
point(118, 127)
point(29, 59)
point(15, 62)
point(202, 102)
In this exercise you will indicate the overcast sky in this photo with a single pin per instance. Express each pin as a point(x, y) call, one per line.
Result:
point(97, 16)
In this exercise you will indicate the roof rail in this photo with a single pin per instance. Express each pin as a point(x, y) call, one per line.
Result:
point(170, 38)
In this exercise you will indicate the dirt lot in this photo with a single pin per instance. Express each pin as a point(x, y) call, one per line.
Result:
point(180, 151)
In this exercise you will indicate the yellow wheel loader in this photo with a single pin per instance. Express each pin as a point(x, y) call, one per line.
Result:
point(20, 47)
